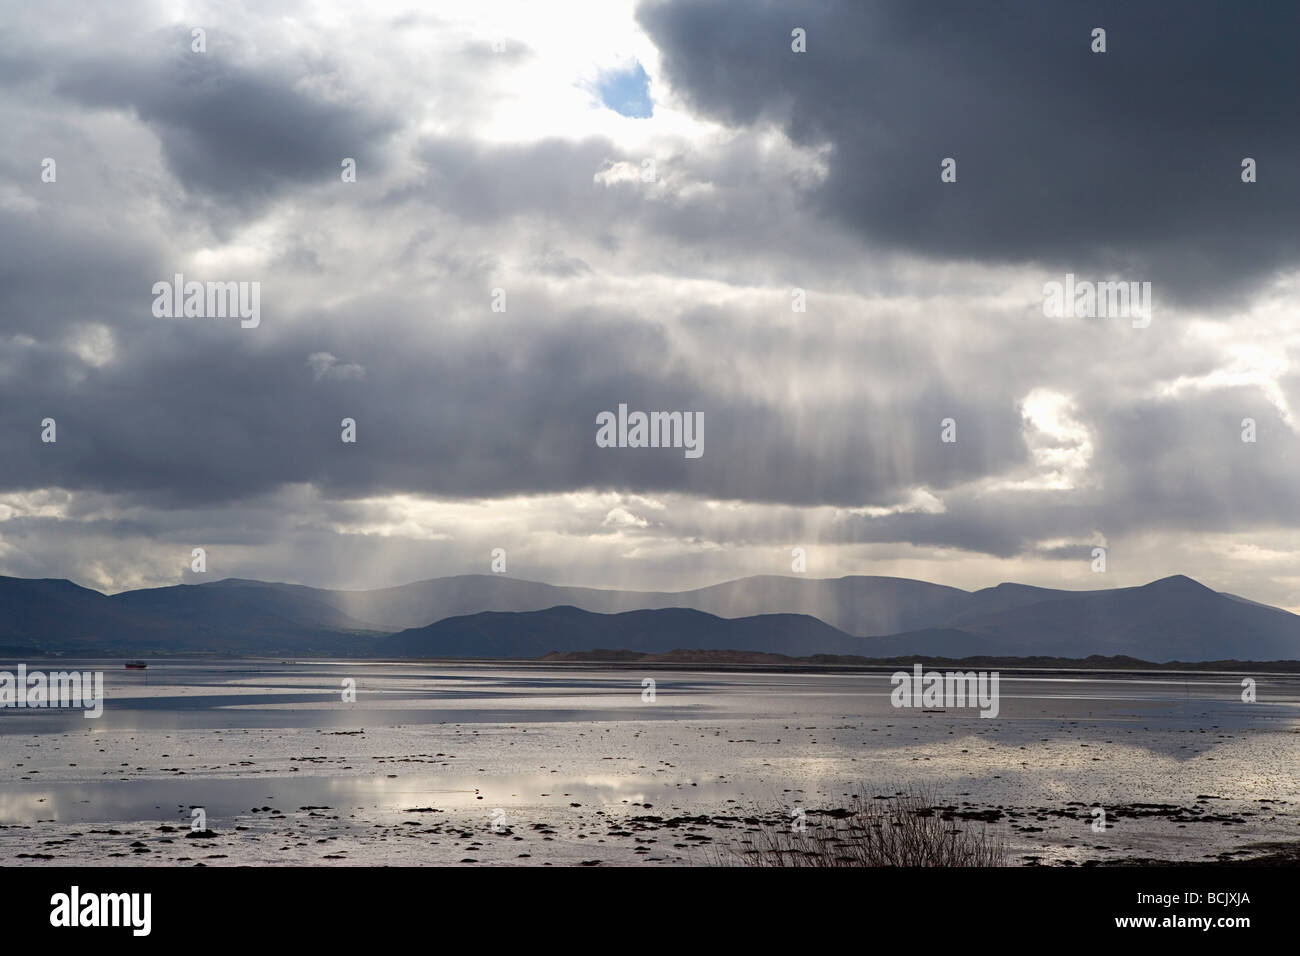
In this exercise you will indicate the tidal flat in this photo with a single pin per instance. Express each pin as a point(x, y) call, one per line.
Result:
point(538, 764)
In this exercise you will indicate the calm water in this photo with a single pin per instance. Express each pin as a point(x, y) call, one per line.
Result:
point(571, 764)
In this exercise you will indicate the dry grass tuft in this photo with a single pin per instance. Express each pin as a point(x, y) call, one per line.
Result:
point(906, 829)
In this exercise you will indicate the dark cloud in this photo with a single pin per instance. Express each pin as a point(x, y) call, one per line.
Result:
point(1126, 161)
point(231, 132)
point(197, 410)
point(820, 427)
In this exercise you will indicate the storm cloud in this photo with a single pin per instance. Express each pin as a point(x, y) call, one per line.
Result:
point(515, 258)
point(1127, 161)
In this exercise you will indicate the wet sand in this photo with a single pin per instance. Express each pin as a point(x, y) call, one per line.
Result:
point(564, 765)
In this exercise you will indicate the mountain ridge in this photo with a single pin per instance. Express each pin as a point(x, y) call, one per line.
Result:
point(533, 634)
point(1174, 617)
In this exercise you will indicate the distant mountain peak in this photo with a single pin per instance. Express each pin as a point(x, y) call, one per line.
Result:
point(1179, 582)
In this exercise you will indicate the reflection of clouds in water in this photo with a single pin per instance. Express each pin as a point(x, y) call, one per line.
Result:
point(583, 736)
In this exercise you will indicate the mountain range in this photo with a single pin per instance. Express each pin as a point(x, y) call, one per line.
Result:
point(1174, 618)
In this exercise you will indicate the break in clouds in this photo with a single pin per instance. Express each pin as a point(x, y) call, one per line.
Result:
point(661, 206)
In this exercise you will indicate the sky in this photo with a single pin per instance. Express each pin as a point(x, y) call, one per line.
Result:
point(559, 209)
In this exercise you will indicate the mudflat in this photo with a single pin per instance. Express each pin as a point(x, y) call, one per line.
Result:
point(225, 762)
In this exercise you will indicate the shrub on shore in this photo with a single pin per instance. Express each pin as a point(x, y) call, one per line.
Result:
point(906, 829)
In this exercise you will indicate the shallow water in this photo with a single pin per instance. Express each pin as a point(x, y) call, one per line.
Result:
point(574, 762)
